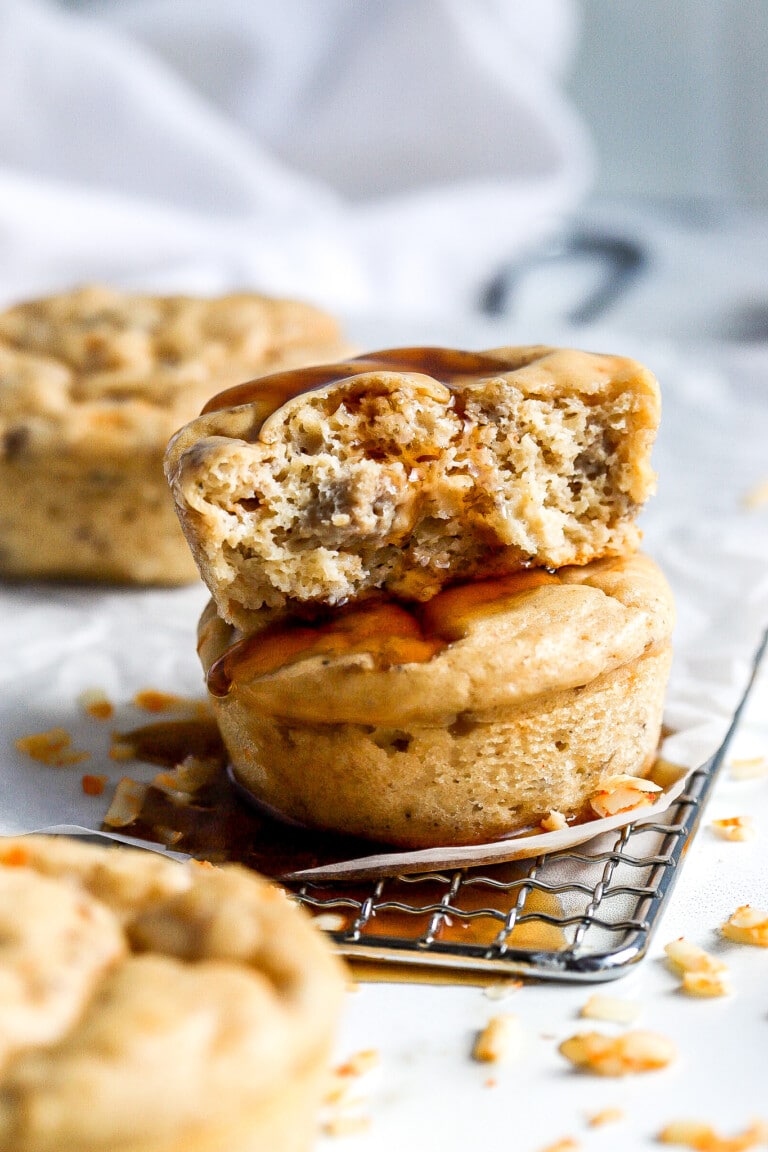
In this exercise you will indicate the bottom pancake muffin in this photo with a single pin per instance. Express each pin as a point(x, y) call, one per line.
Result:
point(462, 720)
point(150, 1006)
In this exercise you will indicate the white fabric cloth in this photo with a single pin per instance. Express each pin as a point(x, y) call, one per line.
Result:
point(370, 156)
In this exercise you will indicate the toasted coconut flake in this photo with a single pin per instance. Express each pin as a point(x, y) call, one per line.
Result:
point(330, 921)
point(749, 769)
point(53, 748)
point(93, 785)
point(500, 1041)
point(126, 803)
point(734, 828)
point(703, 1138)
point(599, 1007)
point(96, 703)
point(605, 1116)
point(623, 793)
point(747, 925)
point(554, 821)
point(706, 984)
point(622, 1055)
point(687, 957)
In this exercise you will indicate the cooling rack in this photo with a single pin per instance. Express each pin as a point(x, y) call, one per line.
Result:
point(585, 915)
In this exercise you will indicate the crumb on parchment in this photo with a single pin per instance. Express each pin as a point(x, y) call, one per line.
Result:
point(623, 1055)
point(53, 748)
point(702, 1137)
point(96, 703)
point(126, 803)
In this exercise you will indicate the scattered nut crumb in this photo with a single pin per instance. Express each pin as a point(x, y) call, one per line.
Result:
point(749, 769)
point(756, 496)
point(706, 984)
point(734, 828)
point(346, 1123)
point(153, 700)
point(330, 921)
point(687, 957)
point(126, 803)
point(554, 822)
point(599, 1007)
point(620, 1055)
point(500, 989)
point(500, 1040)
point(568, 1144)
point(703, 1138)
point(53, 748)
point(96, 703)
point(747, 925)
point(622, 793)
point(188, 777)
point(344, 1101)
point(491, 1082)
point(121, 749)
point(93, 785)
point(605, 1116)
point(360, 1064)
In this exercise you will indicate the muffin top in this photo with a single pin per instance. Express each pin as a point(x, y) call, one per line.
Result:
point(409, 469)
point(470, 652)
point(167, 996)
point(96, 368)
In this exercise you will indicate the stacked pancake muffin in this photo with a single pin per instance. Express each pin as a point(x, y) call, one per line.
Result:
point(430, 624)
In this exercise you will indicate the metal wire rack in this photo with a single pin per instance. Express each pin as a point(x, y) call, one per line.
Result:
point(584, 915)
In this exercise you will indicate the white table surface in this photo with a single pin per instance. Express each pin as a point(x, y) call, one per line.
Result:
point(427, 1093)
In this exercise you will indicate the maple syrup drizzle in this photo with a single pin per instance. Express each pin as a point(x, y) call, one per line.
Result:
point(390, 632)
point(450, 366)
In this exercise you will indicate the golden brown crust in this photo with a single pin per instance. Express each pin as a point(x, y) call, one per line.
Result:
point(396, 479)
point(93, 382)
point(206, 1025)
point(540, 697)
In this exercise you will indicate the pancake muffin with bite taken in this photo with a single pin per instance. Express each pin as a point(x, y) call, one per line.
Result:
point(429, 621)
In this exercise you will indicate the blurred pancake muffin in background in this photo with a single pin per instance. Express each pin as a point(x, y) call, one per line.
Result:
point(93, 382)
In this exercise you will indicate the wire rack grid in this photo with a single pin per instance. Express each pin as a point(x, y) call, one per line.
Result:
point(585, 915)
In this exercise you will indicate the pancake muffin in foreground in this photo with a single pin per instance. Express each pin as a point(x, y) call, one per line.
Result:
point(151, 1006)
point(93, 382)
point(429, 622)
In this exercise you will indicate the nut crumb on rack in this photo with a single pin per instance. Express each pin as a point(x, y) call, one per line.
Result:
point(500, 1041)
point(126, 803)
point(734, 828)
point(750, 768)
point(96, 703)
point(600, 1007)
point(93, 785)
point(622, 793)
point(53, 748)
point(329, 921)
point(618, 1055)
point(554, 822)
point(703, 1138)
point(747, 925)
point(605, 1116)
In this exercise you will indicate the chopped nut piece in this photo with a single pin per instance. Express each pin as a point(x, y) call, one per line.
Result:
point(706, 984)
point(687, 957)
point(734, 828)
point(126, 803)
point(53, 748)
point(500, 989)
point(747, 926)
point(703, 1138)
point(500, 1040)
point(96, 703)
point(622, 793)
point(605, 1116)
point(749, 769)
point(554, 822)
point(330, 921)
point(566, 1145)
point(620, 1055)
point(612, 1008)
point(93, 785)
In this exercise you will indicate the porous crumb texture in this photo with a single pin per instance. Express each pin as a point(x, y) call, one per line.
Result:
point(395, 481)
point(93, 382)
point(149, 1006)
point(465, 782)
